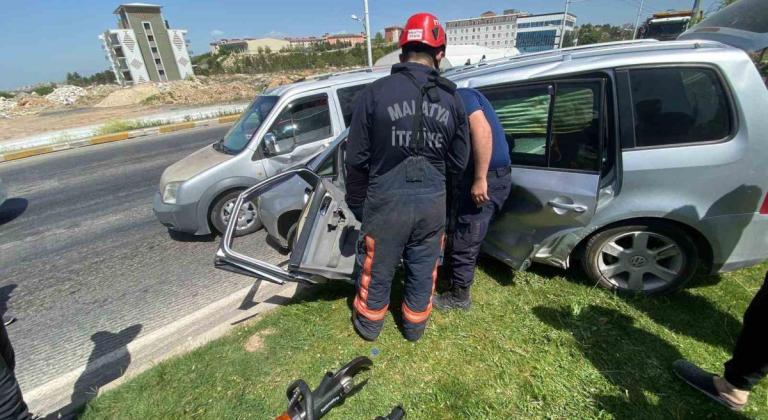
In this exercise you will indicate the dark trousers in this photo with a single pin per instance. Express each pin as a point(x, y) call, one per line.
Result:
point(472, 224)
point(403, 217)
point(12, 404)
point(749, 363)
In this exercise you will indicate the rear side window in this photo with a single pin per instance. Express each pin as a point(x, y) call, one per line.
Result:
point(678, 105)
point(347, 97)
point(552, 126)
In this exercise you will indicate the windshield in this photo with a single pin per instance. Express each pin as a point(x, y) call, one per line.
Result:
point(240, 134)
point(745, 15)
point(664, 31)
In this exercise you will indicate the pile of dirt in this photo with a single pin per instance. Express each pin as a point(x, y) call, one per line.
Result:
point(66, 95)
point(96, 94)
point(30, 104)
point(200, 90)
point(133, 95)
point(6, 107)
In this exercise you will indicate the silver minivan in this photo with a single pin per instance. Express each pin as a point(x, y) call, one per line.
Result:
point(642, 160)
point(282, 128)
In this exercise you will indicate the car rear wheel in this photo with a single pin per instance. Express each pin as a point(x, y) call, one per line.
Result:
point(247, 218)
point(650, 258)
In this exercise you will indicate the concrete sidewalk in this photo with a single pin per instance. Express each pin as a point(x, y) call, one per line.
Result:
point(89, 135)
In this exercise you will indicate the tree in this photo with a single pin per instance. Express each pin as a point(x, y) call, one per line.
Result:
point(593, 34)
point(378, 39)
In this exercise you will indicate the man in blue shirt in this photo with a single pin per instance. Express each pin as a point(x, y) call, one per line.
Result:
point(482, 191)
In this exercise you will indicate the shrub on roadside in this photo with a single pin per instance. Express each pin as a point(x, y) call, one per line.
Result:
point(43, 90)
point(6, 95)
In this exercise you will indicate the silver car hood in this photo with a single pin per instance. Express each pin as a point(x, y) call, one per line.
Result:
point(193, 164)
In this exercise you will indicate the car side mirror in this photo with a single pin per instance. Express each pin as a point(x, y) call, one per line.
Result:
point(278, 147)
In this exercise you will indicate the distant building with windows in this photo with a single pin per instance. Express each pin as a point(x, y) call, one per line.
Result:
point(304, 42)
point(249, 45)
point(392, 33)
point(144, 48)
point(349, 39)
point(512, 28)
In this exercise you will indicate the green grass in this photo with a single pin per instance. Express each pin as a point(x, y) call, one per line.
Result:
point(118, 125)
point(541, 344)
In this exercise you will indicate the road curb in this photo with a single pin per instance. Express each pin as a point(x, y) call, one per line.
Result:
point(53, 399)
point(113, 137)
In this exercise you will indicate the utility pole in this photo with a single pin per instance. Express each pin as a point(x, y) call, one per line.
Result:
point(637, 21)
point(562, 27)
point(368, 34)
point(695, 13)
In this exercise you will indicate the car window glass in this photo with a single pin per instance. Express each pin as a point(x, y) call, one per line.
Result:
point(328, 167)
point(347, 97)
point(575, 140)
point(524, 115)
point(240, 133)
point(678, 105)
point(761, 61)
point(303, 121)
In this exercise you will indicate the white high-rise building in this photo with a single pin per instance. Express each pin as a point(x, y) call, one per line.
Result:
point(526, 32)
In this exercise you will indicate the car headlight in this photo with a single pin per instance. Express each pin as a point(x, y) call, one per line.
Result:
point(170, 192)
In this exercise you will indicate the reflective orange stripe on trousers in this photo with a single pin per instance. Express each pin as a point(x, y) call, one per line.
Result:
point(361, 299)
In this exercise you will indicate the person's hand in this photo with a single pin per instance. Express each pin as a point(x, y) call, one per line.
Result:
point(479, 191)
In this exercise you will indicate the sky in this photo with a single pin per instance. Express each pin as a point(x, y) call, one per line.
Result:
point(40, 41)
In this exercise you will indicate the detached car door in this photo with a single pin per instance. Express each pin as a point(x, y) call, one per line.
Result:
point(327, 232)
point(555, 131)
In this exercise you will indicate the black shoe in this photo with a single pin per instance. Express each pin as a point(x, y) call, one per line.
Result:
point(702, 381)
point(367, 333)
point(414, 333)
point(455, 298)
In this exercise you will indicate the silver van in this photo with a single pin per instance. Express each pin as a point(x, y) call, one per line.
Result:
point(283, 127)
point(642, 160)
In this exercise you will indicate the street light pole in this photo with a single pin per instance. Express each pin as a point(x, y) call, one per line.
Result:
point(368, 34)
point(562, 28)
point(637, 20)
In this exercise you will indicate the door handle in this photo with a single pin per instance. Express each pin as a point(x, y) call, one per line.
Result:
point(578, 208)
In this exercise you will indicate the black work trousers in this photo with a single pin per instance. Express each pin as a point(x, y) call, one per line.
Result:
point(403, 217)
point(12, 404)
point(749, 363)
point(472, 224)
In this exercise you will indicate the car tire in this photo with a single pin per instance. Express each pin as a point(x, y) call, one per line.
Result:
point(645, 258)
point(219, 215)
point(291, 238)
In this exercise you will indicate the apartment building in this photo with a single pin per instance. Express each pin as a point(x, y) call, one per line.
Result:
point(144, 48)
point(249, 45)
point(392, 33)
point(512, 28)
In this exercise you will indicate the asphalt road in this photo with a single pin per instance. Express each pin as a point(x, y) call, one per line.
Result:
point(85, 266)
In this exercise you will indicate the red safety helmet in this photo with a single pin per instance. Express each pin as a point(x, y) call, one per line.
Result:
point(424, 28)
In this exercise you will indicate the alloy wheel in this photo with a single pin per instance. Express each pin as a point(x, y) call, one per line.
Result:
point(640, 261)
point(246, 217)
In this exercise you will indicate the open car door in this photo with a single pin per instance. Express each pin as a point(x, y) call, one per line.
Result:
point(326, 237)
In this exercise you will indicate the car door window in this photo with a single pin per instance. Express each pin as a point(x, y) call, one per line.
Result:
point(555, 125)
point(347, 98)
point(524, 115)
point(303, 121)
point(576, 127)
point(675, 106)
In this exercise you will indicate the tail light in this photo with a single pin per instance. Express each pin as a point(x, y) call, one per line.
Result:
point(764, 207)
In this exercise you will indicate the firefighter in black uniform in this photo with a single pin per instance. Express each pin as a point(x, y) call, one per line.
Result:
point(408, 129)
